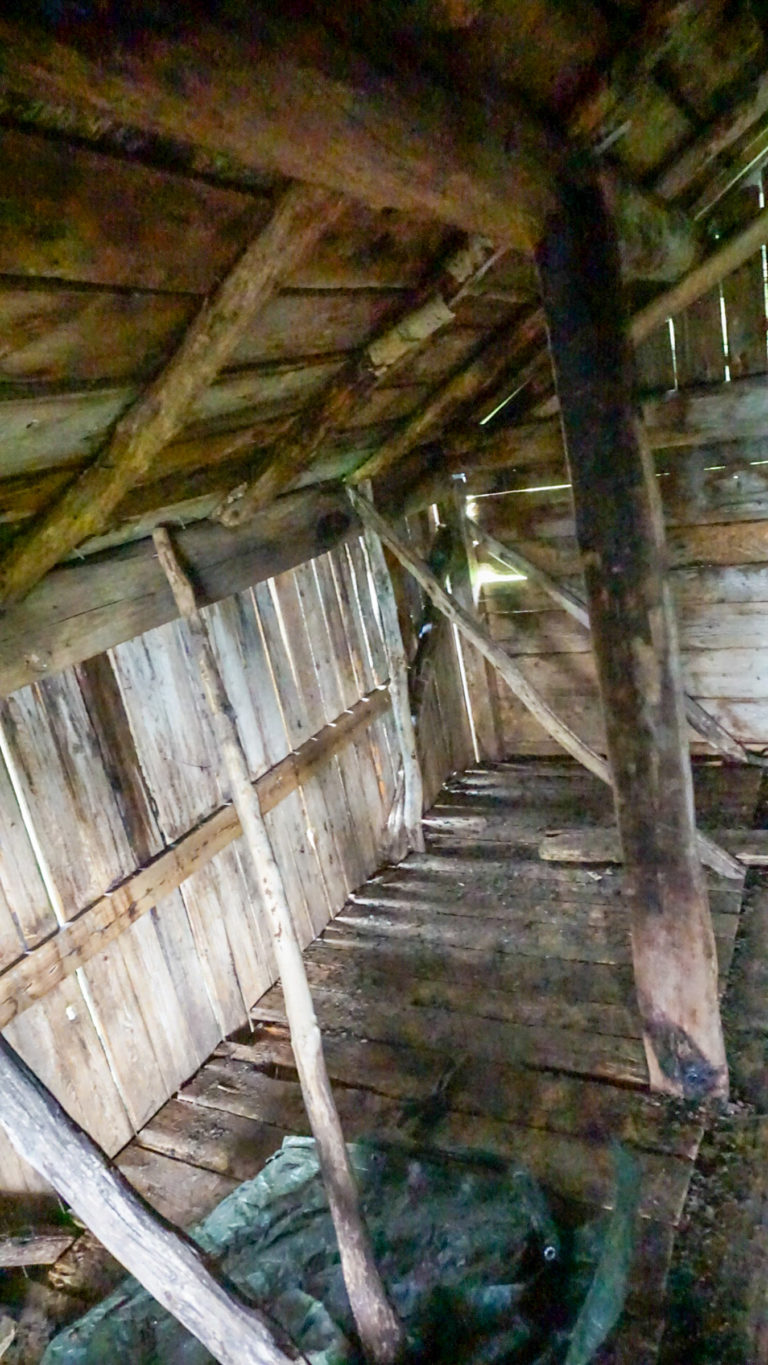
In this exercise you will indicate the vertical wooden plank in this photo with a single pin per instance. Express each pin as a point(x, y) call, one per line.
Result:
point(57, 1039)
point(699, 342)
point(75, 812)
point(304, 714)
point(26, 916)
point(170, 727)
point(744, 295)
point(177, 945)
point(214, 950)
point(289, 825)
point(654, 365)
point(117, 1012)
point(109, 718)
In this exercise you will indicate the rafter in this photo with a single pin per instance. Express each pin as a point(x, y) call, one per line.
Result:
point(383, 355)
point(300, 218)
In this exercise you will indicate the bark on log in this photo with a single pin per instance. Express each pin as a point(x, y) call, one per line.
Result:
point(712, 855)
point(301, 217)
point(284, 98)
point(166, 1262)
point(620, 533)
point(380, 1331)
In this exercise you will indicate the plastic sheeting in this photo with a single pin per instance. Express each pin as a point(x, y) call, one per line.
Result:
point(467, 1247)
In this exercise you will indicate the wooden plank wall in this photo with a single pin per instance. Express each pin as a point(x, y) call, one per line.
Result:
point(715, 498)
point(108, 764)
point(444, 730)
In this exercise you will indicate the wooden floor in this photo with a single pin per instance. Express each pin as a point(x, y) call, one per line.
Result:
point(503, 978)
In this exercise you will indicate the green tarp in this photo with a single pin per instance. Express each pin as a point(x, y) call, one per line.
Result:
point(466, 1245)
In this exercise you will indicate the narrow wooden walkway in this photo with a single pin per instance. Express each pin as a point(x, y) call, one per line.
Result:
point(495, 987)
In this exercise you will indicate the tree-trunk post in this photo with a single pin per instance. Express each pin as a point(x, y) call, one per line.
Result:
point(619, 527)
point(164, 1260)
point(413, 789)
point(380, 1331)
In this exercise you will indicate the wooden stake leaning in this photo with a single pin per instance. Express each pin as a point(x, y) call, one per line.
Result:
point(162, 1258)
point(413, 792)
point(379, 1329)
point(700, 720)
point(710, 853)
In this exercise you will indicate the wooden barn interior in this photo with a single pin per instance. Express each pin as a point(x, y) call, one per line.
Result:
point(383, 632)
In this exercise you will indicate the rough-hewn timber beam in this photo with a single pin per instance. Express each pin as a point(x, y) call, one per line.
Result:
point(162, 1258)
point(283, 97)
point(471, 629)
point(395, 343)
point(80, 609)
point(379, 1328)
point(620, 532)
point(701, 721)
point(300, 218)
point(51, 962)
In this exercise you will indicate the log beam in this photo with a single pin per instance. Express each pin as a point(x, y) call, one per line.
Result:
point(283, 98)
point(620, 532)
point(162, 1258)
point(300, 218)
point(384, 354)
point(470, 628)
point(380, 1331)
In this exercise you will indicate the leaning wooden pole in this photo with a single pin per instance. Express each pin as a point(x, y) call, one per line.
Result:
point(619, 527)
point(397, 665)
point(164, 1260)
point(380, 1331)
point(714, 856)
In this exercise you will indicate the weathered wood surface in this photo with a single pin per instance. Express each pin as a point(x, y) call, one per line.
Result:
point(83, 608)
point(300, 217)
point(41, 1247)
point(545, 1048)
point(620, 533)
point(603, 846)
point(414, 147)
point(377, 1324)
point(700, 720)
point(162, 1259)
point(512, 675)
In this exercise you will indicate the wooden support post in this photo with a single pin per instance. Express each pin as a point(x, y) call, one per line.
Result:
point(302, 215)
point(380, 1331)
point(715, 857)
point(620, 532)
point(413, 792)
point(700, 720)
point(163, 1259)
point(479, 676)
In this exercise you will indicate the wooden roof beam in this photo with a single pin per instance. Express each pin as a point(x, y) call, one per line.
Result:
point(620, 532)
point(301, 216)
point(290, 101)
point(383, 355)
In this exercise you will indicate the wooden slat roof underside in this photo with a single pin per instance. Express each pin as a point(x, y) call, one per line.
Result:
point(112, 238)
